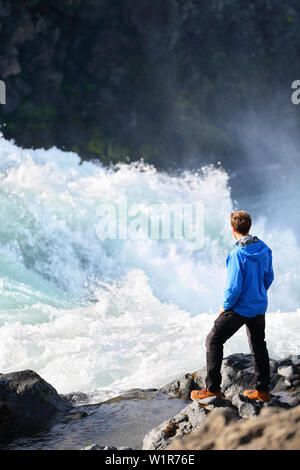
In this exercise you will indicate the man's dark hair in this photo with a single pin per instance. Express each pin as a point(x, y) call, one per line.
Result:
point(241, 222)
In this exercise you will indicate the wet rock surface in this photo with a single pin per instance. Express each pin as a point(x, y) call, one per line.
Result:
point(28, 404)
point(189, 419)
point(147, 418)
point(120, 422)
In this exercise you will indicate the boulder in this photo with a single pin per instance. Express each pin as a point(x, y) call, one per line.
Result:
point(246, 408)
point(285, 371)
point(134, 393)
point(28, 404)
point(182, 387)
point(189, 419)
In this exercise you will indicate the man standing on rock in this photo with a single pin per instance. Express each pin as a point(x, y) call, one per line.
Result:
point(249, 276)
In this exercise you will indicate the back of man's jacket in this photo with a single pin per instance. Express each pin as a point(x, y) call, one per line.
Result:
point(249, 276)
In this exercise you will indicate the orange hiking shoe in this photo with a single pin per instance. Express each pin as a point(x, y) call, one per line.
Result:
point(257, 395)
point(204, 393)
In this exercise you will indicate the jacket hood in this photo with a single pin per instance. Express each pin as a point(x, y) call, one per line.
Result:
point(255, 250)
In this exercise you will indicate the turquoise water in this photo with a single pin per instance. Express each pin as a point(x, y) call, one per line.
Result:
point(102, 316)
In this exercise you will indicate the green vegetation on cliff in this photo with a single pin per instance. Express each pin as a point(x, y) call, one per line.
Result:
point(162, 79)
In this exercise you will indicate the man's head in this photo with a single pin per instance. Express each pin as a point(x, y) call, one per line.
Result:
point(240, 223)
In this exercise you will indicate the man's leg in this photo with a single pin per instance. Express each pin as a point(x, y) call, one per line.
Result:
point(225, 326)
point(256, 336)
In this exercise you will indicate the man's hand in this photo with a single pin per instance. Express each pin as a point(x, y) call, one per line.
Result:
point(221, 310)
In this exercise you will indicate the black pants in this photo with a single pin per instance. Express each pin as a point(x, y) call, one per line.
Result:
point(224, 327)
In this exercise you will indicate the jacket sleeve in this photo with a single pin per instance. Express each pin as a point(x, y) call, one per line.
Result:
point(269, 275)
point(234, 281)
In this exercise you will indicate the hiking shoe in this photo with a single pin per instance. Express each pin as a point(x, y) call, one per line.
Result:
point(204, 393)
point(257, 395)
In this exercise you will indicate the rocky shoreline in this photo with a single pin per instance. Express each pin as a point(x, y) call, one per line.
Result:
point(237, 375)
point(34, 415)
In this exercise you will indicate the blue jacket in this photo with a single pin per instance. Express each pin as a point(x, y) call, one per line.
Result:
point(249, 276)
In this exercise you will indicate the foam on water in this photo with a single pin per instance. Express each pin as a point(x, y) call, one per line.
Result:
point(105, 315)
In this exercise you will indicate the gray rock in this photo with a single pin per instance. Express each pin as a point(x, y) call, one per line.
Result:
point(273, 429)
point(278, 384)
point(199, 378)
point(285, 399)
point(294, 394)
point(181, 388)
point(286, 371)
point(238, 370)
point(77, 397)
point(295, 359)
point(273, 366)
point(215, 401)
point(74, 416)
point(287, 361)
point(189, 419)
point(228, 412)
point(246, 408)
point(209, 401)
point(28, 404)
point(134, 393)
point(278, 404)
point(233, 390)
point(195, 414)
point(275, 401)
point(238, 374)
point(92, 447)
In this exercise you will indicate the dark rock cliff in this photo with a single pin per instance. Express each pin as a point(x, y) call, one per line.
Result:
point(162, 79)
point(28, 404)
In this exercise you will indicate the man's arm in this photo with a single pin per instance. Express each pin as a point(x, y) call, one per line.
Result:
point(234, 281)
point(269, 275)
